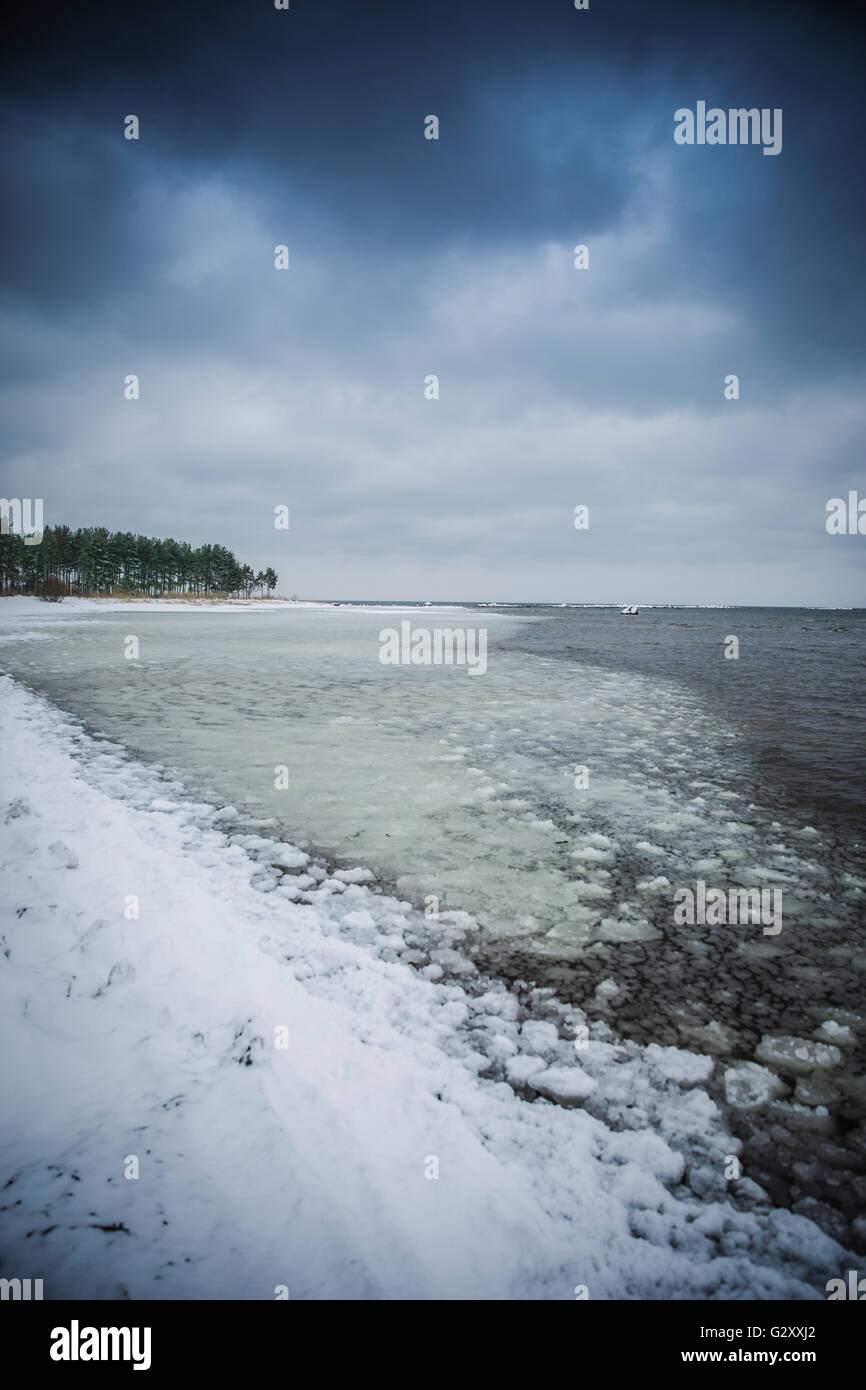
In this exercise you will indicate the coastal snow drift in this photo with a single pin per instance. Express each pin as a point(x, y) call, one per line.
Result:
point(317, 1090)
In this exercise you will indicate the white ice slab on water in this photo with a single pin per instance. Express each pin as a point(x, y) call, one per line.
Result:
point(799, 1056)
point(749, 1085)
point(261, 1166)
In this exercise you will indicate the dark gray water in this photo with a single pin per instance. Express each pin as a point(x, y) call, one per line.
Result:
point(796, 692)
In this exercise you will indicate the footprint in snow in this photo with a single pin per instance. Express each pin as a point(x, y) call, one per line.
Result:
point(65, 857)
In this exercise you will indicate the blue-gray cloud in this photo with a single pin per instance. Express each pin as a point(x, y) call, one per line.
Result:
point(412, 257)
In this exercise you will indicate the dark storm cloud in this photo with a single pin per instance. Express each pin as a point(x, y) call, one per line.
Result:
point(539, 108)
point(454, 257)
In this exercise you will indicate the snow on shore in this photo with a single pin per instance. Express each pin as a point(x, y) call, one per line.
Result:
point(307, 1166)
point(26, 606)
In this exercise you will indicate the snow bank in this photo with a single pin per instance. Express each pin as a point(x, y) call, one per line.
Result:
point(24, 605)
point(404, 1143)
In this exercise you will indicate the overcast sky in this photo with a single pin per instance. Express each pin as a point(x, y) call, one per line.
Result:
point(411, 257)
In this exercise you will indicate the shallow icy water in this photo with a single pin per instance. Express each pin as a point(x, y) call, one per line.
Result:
point(462, 789)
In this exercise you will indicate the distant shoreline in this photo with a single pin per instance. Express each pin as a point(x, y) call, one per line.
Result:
point(184, 602)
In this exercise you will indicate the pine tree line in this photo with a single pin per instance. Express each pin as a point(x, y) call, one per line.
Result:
point(94, 561)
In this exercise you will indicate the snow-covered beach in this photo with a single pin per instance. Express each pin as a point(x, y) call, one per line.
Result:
point(238, 1074)
point(310, 1165)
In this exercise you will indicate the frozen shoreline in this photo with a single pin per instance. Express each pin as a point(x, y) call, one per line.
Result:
point(26, 606)
point(305, 1166)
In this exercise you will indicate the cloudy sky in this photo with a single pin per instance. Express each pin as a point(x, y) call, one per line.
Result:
point(454, 257)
